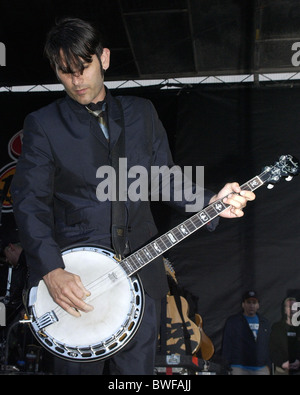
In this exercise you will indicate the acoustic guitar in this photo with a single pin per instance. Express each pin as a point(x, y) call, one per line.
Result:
point(198, 339)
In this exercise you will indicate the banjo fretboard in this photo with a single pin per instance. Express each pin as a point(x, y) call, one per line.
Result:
point(159, 246)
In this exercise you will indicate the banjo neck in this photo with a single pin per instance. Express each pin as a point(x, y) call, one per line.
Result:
point(159, 246)
point(286, 166)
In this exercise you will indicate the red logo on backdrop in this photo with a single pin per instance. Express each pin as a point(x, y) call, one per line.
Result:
point(7, 172)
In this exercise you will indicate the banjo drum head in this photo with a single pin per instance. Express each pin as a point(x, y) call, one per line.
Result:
point(118, 308)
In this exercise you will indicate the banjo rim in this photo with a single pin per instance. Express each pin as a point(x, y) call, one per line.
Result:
point(107, 347)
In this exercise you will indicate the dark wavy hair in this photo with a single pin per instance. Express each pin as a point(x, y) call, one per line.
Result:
point(77, 39)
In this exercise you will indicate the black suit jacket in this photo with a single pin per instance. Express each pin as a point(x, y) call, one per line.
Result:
point(55, 186)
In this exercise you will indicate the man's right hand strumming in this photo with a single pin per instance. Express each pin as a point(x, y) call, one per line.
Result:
point(68, 291)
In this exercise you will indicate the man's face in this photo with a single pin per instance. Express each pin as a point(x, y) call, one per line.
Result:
point(250, 307)
point(88, 86)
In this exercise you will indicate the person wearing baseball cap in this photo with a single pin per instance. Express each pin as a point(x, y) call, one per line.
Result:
point(250, 295)
point(246, 339)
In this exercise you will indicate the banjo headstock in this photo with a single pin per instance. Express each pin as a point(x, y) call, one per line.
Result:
point(287, 166)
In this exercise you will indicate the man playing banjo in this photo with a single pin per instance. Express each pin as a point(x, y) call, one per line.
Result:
point(55, 202)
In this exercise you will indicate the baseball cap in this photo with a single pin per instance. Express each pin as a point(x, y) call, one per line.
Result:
point(250, 295)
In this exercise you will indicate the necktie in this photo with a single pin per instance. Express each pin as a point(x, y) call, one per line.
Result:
point(99, 114)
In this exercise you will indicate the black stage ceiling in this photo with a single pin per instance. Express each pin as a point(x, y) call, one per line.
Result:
point(158, 38)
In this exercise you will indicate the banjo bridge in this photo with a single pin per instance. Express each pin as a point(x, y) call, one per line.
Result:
point(45, 320)
point(113, 276)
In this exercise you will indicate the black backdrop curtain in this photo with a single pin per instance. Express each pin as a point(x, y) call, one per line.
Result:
point(233, 131)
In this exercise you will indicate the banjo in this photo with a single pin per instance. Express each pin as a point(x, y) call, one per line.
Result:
point(116, 291)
